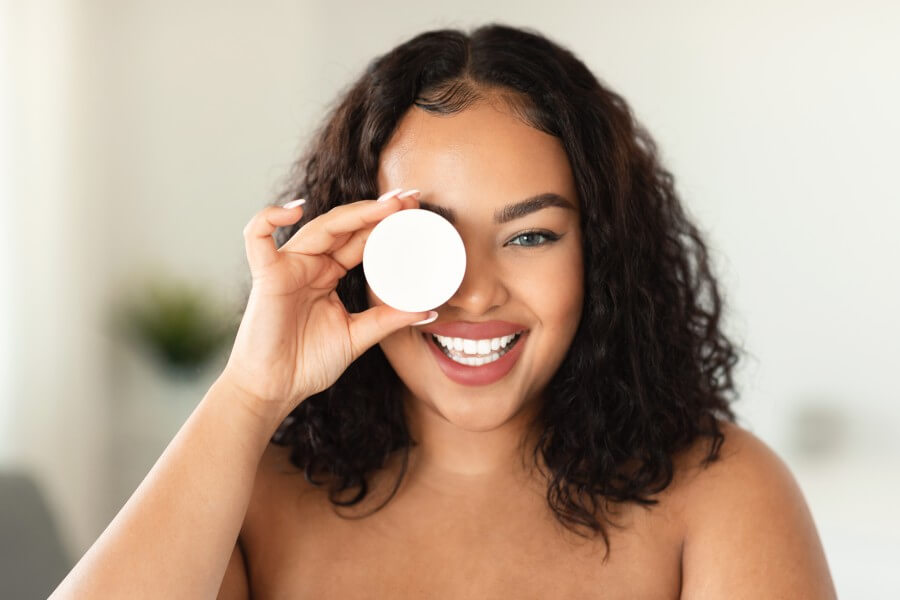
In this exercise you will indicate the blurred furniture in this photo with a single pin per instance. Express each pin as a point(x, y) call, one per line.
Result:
point(33, 560)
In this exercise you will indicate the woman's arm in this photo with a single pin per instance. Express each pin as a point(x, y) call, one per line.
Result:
point(175, 535)
point(749, 533)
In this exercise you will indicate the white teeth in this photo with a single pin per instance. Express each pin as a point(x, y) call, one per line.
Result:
point(475, 361)
point(479, 351)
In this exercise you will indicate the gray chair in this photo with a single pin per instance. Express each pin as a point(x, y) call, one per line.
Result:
point(33, 560)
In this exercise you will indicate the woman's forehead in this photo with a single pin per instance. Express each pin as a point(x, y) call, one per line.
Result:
point(480, 146)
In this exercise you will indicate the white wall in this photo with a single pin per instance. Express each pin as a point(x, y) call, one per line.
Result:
point(150, 132)
point(56, 393)
point(147, 136)
point(6, 226)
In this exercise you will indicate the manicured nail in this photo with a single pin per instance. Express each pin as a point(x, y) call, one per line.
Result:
point(294, 203)
point(432, 315)
point(409, 193)
point(390, 194)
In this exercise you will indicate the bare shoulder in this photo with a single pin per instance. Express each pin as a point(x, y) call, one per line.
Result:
point(745, 468)
point(748, 532)
point(740, 449)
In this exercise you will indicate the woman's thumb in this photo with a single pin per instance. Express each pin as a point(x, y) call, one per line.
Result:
point(374, 324)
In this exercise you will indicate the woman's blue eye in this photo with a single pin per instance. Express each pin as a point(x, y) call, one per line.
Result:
point(551, 237)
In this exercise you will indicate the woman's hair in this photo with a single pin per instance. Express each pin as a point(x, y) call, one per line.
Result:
point(648, 369)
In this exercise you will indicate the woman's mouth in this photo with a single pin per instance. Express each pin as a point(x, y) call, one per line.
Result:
point(476, 362)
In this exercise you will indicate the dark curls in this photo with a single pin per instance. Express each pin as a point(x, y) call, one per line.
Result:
point(648, 371)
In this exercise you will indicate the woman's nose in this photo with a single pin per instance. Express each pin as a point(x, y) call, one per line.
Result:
point(482, 286)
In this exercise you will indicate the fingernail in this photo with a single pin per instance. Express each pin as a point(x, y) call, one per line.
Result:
point(294, 203)
point(408, 193)
point(432, 315)
point(388, 195)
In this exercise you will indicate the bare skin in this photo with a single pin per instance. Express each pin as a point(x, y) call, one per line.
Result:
point(505, 542)
point(501, 544)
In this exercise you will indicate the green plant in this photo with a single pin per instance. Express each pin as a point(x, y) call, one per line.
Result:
point(180, 324)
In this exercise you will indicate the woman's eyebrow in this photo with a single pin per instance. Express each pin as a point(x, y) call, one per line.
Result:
point(510, 212)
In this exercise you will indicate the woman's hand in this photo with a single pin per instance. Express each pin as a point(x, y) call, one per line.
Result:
point(296, 337)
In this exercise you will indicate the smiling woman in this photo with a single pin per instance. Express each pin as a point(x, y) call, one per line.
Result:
point(563, 428)
point(579, 371)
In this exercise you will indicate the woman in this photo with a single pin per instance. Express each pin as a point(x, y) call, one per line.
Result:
point(599, 458)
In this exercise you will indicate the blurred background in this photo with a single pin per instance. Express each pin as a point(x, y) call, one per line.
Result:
point(138, 138)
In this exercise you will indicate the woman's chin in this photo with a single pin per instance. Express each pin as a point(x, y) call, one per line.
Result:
point(473, 413)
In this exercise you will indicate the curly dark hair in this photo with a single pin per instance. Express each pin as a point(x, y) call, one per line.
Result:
point(648, 369)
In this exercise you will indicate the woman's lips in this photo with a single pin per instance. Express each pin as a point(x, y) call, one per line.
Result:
point(480, 375)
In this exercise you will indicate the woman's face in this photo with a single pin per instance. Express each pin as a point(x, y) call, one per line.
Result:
point(475, 163)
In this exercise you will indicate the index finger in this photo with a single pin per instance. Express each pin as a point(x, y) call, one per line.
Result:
point(330, 231)
point(258, 242)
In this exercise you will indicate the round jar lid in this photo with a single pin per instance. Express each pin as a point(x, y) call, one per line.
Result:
point(414, 260)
